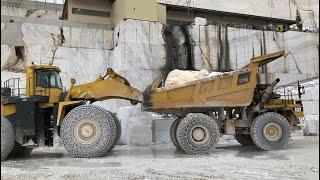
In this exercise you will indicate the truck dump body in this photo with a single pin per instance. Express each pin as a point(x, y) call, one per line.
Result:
point(229, 89)
point(232, 89)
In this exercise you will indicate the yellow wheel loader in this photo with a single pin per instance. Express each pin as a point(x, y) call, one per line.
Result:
point(31, 115)
point(229, 104)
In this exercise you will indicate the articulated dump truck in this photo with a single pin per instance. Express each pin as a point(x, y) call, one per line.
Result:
point(232, 103)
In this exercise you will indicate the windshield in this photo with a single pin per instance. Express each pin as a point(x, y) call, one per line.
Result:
point(49, 79)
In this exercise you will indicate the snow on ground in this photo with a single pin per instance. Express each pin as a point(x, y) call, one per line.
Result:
point(162, 161)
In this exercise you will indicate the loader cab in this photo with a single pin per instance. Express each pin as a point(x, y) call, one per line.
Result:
point(43, 81)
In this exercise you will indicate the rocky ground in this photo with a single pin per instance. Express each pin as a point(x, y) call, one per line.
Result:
point(230, 161)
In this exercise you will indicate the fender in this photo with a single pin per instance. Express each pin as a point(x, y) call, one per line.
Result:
point(63, 107)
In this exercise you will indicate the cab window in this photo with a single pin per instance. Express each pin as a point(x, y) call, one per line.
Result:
point(48, 79)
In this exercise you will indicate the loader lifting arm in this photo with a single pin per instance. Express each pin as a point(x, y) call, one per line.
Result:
point(103, 89)
point(112, 87)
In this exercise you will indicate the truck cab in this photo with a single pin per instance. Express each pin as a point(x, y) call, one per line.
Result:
point(30, 105)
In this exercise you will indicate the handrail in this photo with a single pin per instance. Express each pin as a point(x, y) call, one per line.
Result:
point(17, 91)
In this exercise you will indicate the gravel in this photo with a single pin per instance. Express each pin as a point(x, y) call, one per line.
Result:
point(229, 161)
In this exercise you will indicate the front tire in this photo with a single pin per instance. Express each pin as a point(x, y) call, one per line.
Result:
point(270, 131)
point(88, 131)
point(7, 138)
point(198, 134)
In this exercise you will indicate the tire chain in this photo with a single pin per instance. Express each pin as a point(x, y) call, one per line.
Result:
point(182, 134)
point(89, 111)
point(7, 138)
point(118, 130)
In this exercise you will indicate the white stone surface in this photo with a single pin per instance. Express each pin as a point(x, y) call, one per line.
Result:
point(48, 14)
point(161, 130)
point(198, 21)
point(310, 101)
point(303, 49)
point(124, 114)
point(38, 40)
point(312, 124)
point(13, 11)
point(3, 26)
point(23, 12)
point(136, 125)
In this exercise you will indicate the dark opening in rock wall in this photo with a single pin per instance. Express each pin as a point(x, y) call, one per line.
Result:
point(179, 49)
point(15, 61)
point(19, 52)
point(187, 48)
point(224, 53)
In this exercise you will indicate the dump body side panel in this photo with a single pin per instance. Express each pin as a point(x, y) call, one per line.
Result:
point(234, 89)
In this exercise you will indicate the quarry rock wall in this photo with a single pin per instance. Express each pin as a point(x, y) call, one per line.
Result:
point(141, 51)
point(217, 48)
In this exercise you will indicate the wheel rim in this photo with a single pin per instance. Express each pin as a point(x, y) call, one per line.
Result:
point(272, 132)
point(199, 134)
point(86, 132)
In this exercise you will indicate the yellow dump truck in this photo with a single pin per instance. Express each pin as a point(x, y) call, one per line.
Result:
point(232, 103)
point(229, 104)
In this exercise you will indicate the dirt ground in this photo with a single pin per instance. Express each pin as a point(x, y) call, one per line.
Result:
point(230, 161)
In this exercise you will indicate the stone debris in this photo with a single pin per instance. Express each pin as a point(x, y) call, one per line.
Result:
point(198, 21)
point(179, 77)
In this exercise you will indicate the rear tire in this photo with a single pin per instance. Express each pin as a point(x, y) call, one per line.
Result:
point(20, 151)
point(198, 134)
point(270, 131)
point(88, 131)
point(7, 138)
point(173, 133)
point(244, 139)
